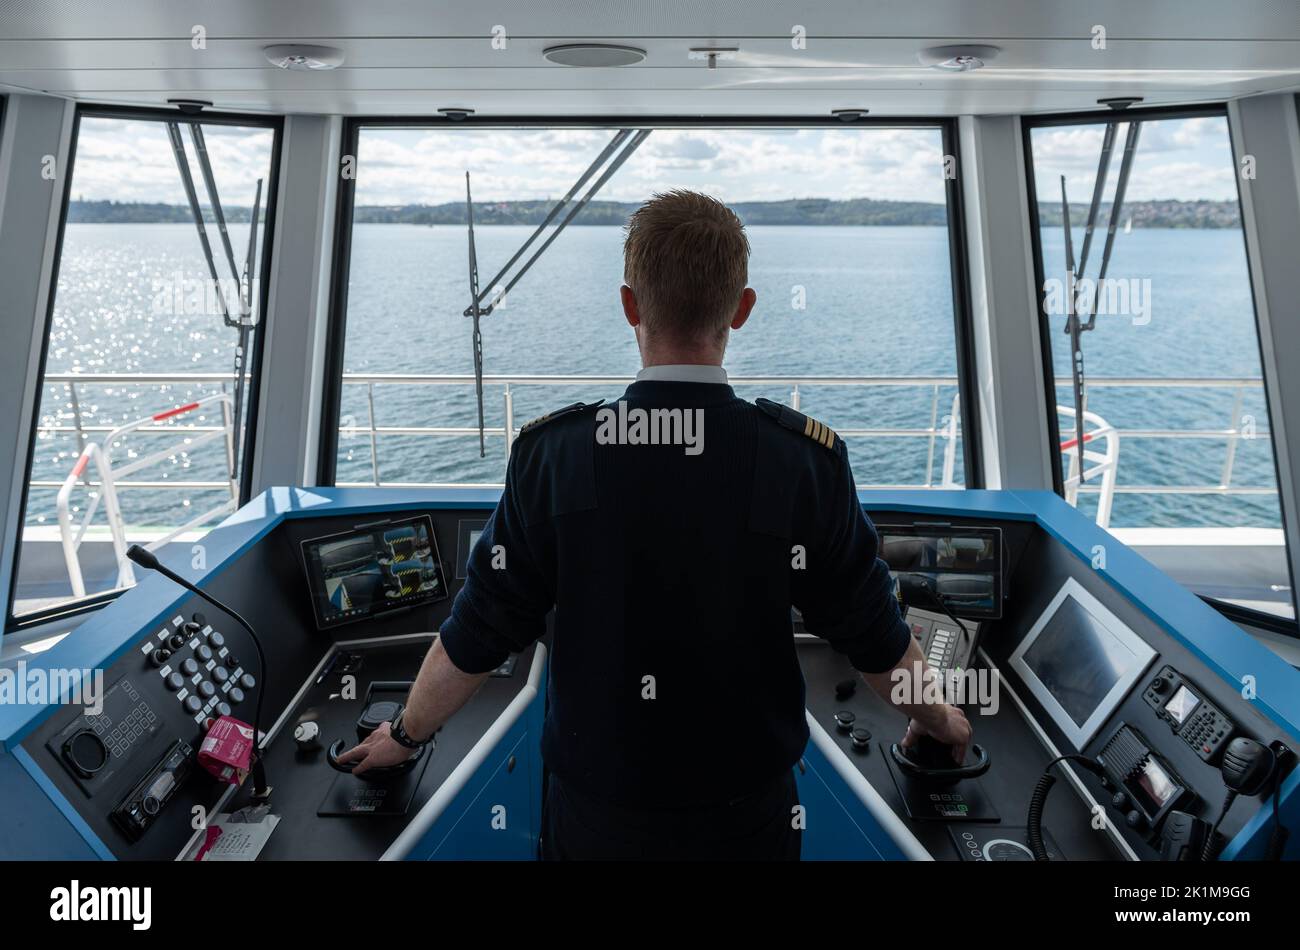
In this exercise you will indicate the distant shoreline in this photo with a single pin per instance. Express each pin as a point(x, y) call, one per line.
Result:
point(795, 211)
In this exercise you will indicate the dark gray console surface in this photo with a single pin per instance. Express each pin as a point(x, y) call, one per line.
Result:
point(301, 780)
point(1018, 760)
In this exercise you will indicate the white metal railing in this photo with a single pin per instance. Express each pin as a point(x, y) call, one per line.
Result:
point(947, 430)
point(110, 478)
point(1230, 436)
point(1105, 463)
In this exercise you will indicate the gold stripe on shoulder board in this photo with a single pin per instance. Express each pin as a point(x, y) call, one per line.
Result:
point(819, 432)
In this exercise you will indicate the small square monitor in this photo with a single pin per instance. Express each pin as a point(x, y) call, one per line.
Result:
point(373, 569)
point(1080, 660)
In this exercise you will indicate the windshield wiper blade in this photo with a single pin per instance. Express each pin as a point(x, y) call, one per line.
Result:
point(1074, 326)
point(1098, 187)
point(1125, 168)
point(476, 313)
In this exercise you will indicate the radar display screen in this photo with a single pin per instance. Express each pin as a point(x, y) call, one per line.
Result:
point(373, 569)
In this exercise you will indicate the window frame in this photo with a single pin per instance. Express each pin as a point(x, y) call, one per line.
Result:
point(275, 123)
point(958, 257)
point(1233, 612)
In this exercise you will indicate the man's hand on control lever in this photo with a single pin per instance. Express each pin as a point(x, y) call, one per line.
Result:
point(378, 750)
point(439, 691)
point(949, 725)
point(941, 721)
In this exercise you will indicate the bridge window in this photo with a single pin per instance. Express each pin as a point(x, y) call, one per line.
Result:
point(851, 261)
point(139, 435)
point(1177, 449)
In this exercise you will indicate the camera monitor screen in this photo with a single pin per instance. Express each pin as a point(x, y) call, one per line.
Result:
point(963, 564)
point(372, 569)
point(1080, 660)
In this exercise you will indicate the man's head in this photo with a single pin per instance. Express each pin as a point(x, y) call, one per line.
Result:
point(685, 265)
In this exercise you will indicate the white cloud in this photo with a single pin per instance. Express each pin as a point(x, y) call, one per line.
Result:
point(1183, 159)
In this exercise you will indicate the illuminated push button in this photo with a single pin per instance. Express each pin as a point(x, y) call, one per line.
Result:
point(844, 720)
point(236, 695)
point(190, 666)
point(207, 690)
point(247, 681)
point(216, 639)
point(203, 652)
point(223, 709)
point(193, 703)
point(175, 682)
point(220, 674)
point(861, 739)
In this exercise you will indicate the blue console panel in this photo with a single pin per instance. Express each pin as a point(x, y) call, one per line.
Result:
point(490, 805)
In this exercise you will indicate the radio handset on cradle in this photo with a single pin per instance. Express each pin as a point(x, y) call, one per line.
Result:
point(1247, 767)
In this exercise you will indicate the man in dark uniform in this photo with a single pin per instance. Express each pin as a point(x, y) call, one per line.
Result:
point(672, 531)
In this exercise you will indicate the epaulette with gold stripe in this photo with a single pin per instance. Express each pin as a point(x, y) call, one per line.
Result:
point(555, 414)
point(792, 419)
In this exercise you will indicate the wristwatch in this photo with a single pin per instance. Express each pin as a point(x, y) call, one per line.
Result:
point(397, 730)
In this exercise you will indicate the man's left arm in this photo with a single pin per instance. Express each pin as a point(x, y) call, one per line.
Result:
point(501, 610)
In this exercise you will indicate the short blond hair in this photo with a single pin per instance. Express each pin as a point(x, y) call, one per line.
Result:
point(686, 258)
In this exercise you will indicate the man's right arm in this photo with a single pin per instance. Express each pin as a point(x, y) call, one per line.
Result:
point(848, 600)
point(903, 687)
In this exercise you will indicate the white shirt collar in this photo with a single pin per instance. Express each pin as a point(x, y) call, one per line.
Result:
point(683, 373)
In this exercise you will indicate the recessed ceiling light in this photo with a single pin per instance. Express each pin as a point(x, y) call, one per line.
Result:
point(302, 56)
point(592, 55)
point(958, 59)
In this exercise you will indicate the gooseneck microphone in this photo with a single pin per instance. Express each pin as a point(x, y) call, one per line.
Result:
point(149, 561)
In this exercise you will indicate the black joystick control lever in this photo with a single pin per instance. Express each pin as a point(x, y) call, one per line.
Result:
point(932, 760)
point(371, 775)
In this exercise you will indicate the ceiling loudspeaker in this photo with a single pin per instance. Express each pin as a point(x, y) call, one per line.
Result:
point(300, 56)
point(593, 55)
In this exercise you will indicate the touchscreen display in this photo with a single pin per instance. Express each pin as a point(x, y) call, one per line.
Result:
point(369, 570)
point(1078, 660)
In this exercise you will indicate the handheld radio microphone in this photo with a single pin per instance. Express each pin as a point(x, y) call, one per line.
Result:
point(149, 561)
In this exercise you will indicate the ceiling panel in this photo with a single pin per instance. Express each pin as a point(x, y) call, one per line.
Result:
point(404, 57)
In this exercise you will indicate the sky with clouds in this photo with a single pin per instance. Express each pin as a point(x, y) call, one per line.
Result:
point(132, 161)
point(1186, 159)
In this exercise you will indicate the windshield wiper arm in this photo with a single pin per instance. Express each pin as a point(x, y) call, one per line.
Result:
point(625, 139)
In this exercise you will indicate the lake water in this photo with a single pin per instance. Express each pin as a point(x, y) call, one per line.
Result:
point(833, 301)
